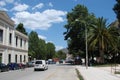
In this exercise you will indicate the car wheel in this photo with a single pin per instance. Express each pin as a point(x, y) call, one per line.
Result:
point(34, 69)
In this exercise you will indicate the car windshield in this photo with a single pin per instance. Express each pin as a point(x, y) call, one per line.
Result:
point(38, 62)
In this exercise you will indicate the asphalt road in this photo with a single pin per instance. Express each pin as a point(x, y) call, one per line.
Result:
point(54, 72)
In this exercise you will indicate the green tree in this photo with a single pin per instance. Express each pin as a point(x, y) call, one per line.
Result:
point(21, 28)
point(61, 54)
point(43, 50)
point(101, 36)
point(50, 50)
point(34, 48)
point(77, 20)
point(117, 10)
point(115, 49)
point(75, 30)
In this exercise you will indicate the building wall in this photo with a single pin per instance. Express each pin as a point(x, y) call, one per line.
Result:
point(8, 48)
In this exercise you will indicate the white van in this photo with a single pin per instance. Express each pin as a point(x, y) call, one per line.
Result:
point(40, 65)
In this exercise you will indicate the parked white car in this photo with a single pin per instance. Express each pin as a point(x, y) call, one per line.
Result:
point(40, 65)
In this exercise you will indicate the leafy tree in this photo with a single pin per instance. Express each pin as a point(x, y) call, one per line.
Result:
point(39, 49)
point(78, 20)
point(50, 50)
point(101, 36)
point(43, 49)
point(60, 54)
point(75, 30)
point(34, 48)
point(117, 10)
point(115, 49)
point(21, 28)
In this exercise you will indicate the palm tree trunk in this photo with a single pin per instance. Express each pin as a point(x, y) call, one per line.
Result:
point(101, 52)
point(101, 56)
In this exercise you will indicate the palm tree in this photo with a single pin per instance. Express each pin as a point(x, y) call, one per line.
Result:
point(100, 37)
point(115, 48)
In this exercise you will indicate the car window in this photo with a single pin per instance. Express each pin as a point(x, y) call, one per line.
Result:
point(38, 62)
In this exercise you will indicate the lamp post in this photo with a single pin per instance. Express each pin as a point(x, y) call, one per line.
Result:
point(86, 46)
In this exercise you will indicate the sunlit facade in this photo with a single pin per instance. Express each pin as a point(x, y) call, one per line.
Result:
point(13, 44)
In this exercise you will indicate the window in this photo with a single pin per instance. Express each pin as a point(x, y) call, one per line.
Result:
point(0, 57)
point(38, 62)
point(21, 42)
point(10, 38)
point(16, 40)
point(24, 58)
point(9, 58)
point(1, 35)
point(20, 58)
point(24, 43)
point(16, 58)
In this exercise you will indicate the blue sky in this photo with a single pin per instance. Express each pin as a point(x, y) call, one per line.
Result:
point(48, 17)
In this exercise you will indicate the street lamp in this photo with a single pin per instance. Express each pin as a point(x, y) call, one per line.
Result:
point(86, 45)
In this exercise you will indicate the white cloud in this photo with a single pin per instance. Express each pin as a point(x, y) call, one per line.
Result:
point(39, 20)
point(59, 47)
point(49, 42)
point(42, 37)
point(4, 9)
point(2, 3)
point(50, 4)
point(40, 5)
point(20, 7)
point(9, 1)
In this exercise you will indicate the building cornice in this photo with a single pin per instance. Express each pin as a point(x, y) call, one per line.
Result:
point(5, 17)
point(21, 34)
point(12, 48)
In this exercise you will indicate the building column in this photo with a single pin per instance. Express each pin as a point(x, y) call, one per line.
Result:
point(13, 38)
point(5, 56)
point(7, 36)
point(13, 56)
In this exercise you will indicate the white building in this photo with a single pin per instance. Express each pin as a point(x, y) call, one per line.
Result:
point(13, 44)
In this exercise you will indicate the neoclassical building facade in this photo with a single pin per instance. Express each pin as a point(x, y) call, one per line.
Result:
point(13, 44)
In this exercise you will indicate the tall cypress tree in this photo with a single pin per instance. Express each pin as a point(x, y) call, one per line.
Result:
point(117, 10)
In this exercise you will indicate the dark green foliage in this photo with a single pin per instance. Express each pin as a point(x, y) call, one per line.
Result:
point(50, 50)
point(34, 45)
point(75, 30)
point(39, 49)
point(78, 19)
point(43, 49)
point(102, 39)
point(60, 54)
point(117, 10)
point(21, 28)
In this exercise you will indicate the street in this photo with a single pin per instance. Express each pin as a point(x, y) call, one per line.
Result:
point(54, 72)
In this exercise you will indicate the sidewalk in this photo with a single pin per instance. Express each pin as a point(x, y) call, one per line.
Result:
point(93, 73)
